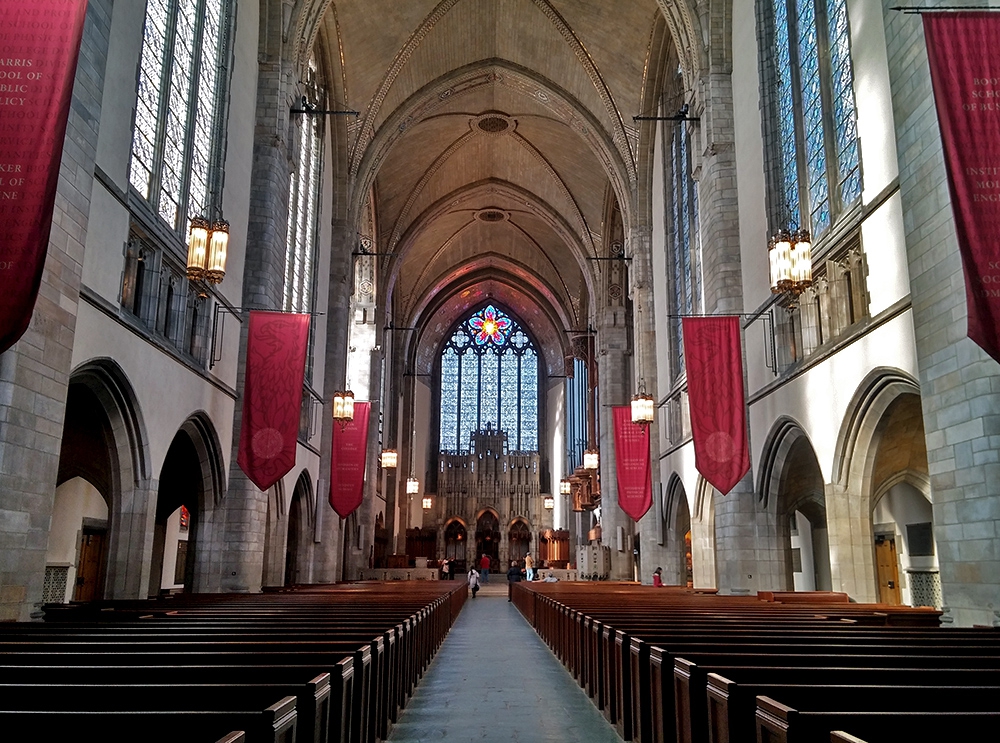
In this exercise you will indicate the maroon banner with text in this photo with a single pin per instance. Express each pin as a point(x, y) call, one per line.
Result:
point(39, 46)
point(272, 395)
point(632, 463)
point(964, 54)
point(714, 360)
point(350, 456)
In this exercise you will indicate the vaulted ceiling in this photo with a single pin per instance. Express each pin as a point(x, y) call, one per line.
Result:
point(494, 143)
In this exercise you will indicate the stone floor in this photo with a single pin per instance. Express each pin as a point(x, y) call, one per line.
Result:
point(494, 680)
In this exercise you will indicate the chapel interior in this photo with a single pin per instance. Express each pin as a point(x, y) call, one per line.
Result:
point(497, 215)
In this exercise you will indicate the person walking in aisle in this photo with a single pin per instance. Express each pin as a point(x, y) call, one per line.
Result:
point(474, 581)
point(513, 576)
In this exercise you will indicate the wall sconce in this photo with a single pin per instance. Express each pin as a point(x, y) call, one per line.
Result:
point(428, 503)
point(389, 459)
point(565, 487)
point(208, 248)
point(591, 459)
point(789, 257)
point(549, 502)
point(343, 407)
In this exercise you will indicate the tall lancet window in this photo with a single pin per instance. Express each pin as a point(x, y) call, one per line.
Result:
point(811, 118)
point(177, 141)
point(489, 376)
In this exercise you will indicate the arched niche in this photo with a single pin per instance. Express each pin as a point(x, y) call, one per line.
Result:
point(795, 493)
point(299, 543)
point(677, 567)
point(103, 455)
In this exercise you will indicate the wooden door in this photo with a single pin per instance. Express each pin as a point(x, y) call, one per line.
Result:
point(887, 570)
point(88, 569)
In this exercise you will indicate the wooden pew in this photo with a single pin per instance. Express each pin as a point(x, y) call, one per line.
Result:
point(239, 635)
point(276, 724)
point(732, 706)
point(778, 723)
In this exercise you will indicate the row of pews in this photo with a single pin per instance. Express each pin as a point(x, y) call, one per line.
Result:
point(676, 665)
point(318, 664)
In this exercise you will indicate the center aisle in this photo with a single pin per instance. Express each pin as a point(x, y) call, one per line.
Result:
point(494, 680)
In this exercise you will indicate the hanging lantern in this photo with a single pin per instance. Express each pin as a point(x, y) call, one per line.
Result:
point(218, 249)
point(428, 503)
point(412, 486)
point(343, 407)
point(801, 261)
point(779, 255)
point(591, 459)
point(389, 459)
point(643, 408)
point(197, 258)
point(565, 487)
point(549, 502)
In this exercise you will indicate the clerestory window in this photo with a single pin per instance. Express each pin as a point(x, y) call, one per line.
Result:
point(489, 375)
point(178, 135)
point(683, 243)
point(303, 212)
point(810, 120)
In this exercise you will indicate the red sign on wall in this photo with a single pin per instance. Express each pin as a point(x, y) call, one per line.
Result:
point(272, 395)
point(964, 54)
point(633, 464)
point(350, 458)
point(714, 359)
point(39, 46)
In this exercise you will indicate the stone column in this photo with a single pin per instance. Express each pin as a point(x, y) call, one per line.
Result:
point(960, 398)
point(614, 376)
point(329, 526)
point(233, 532)
point(34, 373)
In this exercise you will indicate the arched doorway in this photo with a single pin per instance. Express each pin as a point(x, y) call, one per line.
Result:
point(77, 554)
point(455, 545)
point(906, 567)
point(178, 506)
point(801, 516)
point(298, 546)
point(519, 539)
point(488, 538)
point(677, 535)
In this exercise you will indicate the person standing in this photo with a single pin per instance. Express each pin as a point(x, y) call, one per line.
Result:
point(484, 568)
point(513, 576)
point(529, 567)
point(445, 569)
point(474, 581)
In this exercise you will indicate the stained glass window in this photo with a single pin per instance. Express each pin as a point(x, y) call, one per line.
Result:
point(811, 113)
point(489, 376)
point(303, 211)
point(683, 268)
point(176, 141)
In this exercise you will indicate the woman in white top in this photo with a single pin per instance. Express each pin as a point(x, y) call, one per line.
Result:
point(474, 581)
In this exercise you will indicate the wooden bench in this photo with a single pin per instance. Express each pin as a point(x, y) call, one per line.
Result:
point(778, 723)
point(276, 724)
point(226, 650)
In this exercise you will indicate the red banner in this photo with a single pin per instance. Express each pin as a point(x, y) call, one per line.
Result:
point(272, 395)
point(964, 54)
point(714, 359)
point(41, 43)
point(347, 467)
point(632, 463)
